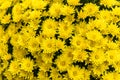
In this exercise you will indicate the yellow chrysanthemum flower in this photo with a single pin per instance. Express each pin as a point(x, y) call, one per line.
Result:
point(82, 15)
point(19, 52)
point(44, 66)
point(5, 4)
point(68, 52)
point(55, 9)
point(14, 67)
point(54, 73)
point(113, 56)
point(116, 11)
point(26, 75)
point(33, 45)
point(43, 75)
point(25, 4)
point(105, 15)
point(12, 29)
point(27, 64)
point(60, 44)
point(65, 29)
point(6, 19)
point(100, 24)
point(78, 42)
point(8, 75)
point(108, 76)
point(49, 24)
point(38, 4)
point(63, 62)
point(94, 35)
point(6, 56)
point(49, 27)
point(91, 9)
point(76, 73)
point(109, 3)
point(48, 45)
point(113, 29)
point(99, 69)
point(79, 55)
point(80, 28)
point(47, 57)
point(73, 2)
point(97, 57)
point(34, 15)
point(67, 10)
point(17, 12)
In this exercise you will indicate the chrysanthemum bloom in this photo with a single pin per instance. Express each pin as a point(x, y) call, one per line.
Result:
point(27, 64)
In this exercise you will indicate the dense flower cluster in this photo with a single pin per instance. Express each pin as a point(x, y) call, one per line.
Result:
point(59, 40)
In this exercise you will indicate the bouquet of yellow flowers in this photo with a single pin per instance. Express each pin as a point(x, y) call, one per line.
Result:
point(59, 39)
